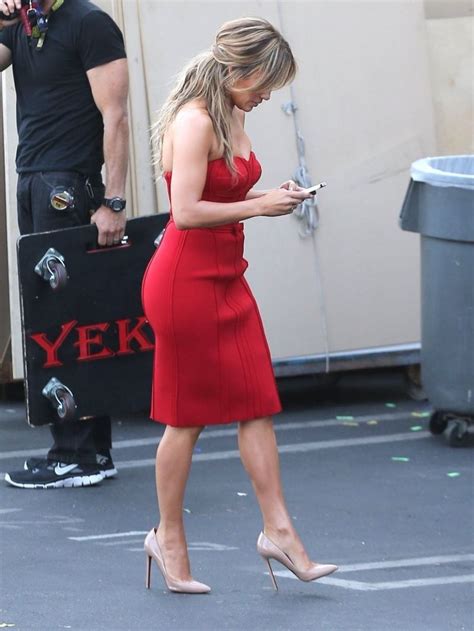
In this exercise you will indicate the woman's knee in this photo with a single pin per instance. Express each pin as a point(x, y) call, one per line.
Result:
point(183, 433)
point(257, 423)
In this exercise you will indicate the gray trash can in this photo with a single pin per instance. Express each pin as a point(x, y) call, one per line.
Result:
point(439, 205)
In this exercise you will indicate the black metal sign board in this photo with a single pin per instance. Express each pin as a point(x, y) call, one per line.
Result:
point(88, 350)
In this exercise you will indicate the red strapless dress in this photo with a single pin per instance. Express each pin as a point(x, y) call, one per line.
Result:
point(212, 364)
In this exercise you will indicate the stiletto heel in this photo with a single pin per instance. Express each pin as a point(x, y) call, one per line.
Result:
point(152, 550)
point(148, 572)
point(269, 550)
point(272, 576)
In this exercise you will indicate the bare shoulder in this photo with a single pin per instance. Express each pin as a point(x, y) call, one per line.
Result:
point(193, 127)
point(193, 115)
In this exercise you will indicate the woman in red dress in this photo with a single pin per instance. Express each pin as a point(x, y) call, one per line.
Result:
point(212, 363)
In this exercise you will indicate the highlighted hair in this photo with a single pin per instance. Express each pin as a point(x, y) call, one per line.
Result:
point(242, 47)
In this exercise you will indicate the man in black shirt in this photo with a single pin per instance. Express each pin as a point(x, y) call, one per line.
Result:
point(71, 81)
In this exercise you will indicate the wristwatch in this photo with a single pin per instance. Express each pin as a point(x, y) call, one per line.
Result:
point(117, 204)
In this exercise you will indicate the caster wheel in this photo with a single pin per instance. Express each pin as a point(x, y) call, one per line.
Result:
point(438, 423)
point(457, 434)
point(58, 278)
point(414, 387)
point(66, 409)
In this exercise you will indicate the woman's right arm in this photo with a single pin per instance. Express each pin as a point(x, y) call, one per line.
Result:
point(192, 139)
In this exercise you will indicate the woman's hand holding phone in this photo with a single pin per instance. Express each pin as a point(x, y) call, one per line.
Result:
point(280, 201)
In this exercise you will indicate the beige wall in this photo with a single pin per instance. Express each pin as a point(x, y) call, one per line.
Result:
point(450, 30)
point(4, 301)
point(366, 112)
point(450, 45)
point(9, 147)
point(366, 109)
point(440, 9)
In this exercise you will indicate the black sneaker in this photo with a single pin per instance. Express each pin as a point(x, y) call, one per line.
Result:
point(53, 475)
point(106, 465)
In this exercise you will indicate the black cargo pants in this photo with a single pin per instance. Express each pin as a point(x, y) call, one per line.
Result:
point(74, 441)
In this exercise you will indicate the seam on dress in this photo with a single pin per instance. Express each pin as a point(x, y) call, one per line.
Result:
point(218, 326)
point(172, 281)
point(249, 367)
point(236, 323)
point(153, 372)
point(257, 393)
point(260, 323)
point(243, 352)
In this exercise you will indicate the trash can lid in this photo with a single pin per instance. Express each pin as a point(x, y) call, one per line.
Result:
point(455, 171)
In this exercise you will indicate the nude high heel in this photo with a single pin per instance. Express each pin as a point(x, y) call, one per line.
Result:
point(152, 551)
point(269, 550)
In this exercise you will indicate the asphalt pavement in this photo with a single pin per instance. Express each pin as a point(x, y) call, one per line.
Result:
point(368, 486)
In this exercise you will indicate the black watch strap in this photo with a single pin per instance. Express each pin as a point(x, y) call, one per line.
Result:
point(117, 204)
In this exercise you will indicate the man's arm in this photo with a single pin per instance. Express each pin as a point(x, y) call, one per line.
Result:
point(5, 57)
point(7, 7)
point(109, 85)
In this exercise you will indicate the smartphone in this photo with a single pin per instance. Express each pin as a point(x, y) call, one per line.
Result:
point(314, 189)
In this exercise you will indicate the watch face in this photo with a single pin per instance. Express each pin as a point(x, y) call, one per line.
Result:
point(117, 204)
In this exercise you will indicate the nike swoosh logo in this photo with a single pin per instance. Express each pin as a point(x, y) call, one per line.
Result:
point(63, 469)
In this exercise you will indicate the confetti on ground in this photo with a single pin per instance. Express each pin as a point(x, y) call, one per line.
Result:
point(344, 418)
point(416, 428)
point(453, 474)
point(400, 459)
point(390, 405)
point(421, 414)
point(186, 510)
point(6, 625)
point(349, 424)
point(373, 422)
point(242, 494)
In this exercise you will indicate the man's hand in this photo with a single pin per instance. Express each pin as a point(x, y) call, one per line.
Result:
point(8, 7)
point(111, 225)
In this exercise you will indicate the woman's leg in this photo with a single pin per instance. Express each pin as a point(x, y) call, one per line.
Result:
point(259, 453)
point(173, 462)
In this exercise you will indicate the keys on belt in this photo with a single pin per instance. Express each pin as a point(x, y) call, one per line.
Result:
point(62, 199)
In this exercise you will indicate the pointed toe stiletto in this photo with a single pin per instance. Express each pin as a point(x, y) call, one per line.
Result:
point(152, 551)
point(269, 550)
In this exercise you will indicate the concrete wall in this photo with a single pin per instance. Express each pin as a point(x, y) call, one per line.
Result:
point(9, 150)
point(366, 112)
point(367, 99)
point(5, 368)
point(441, 9)
point(451, 52)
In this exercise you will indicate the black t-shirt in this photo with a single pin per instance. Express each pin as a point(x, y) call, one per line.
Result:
point(59, 125)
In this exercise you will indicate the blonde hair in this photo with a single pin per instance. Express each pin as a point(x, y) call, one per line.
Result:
point(241, 47)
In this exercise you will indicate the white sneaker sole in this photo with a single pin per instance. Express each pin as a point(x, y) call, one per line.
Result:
point(75, 482)
point(109, 473)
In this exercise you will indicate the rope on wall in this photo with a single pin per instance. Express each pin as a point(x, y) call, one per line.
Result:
point(307, 212)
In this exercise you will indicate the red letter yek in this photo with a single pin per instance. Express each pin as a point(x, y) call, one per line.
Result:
point(85, 341)
point(52, 348)
point(126, 336)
